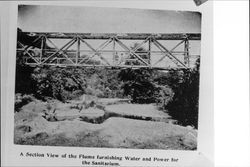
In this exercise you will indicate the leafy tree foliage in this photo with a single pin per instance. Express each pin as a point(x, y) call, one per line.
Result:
point(24, 84)
point(184, 106)
point(69, 83)
point(138, 84)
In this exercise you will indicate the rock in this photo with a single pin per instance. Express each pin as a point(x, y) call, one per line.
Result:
point(35, 106)
point(190, 127)
point(190, 141)
point(90, 113)
point(41, 135)
point(50, 117)
point(171, 121)
point(39, 124)
point(141, 110)
point(23, 128)
point(24, 116)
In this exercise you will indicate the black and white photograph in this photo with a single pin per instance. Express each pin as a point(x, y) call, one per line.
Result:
point(105, 77)
point(125, 83)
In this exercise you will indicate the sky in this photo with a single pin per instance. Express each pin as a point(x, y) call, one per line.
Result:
point(113, 20)
point(42, 18)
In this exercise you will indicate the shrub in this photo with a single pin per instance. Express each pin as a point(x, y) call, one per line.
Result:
point(99, 93)
point(89, 91)
point(138, 84)
point(24, 83)
point(22, 100)
point(184, 106)
point(163, 95)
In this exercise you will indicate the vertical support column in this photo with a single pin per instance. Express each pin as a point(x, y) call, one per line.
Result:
point(186, 54)
point(77, 50)
point(149, 51)
point(114, 52)
point(41, 50)
point(43, 44)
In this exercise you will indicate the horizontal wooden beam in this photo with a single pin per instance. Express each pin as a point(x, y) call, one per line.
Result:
point(122, 36)
point(104, 66)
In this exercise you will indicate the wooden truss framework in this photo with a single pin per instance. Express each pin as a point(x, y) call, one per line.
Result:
point(60, 56)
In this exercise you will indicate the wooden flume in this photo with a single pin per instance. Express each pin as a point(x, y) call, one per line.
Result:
point(35, 49)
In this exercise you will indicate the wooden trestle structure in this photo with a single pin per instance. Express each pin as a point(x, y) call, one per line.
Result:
point(37, 51)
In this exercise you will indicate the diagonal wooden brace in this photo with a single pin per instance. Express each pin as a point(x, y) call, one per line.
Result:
point(170, 51)
point(96, 51)
point(131, 51)
point(66, 46)
point(25, 51)
point(169, 54)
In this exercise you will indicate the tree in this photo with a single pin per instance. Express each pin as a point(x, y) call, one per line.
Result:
point(184, 106)
point(138, 84)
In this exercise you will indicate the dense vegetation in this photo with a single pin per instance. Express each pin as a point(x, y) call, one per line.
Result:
point(68, 83)
point(184, 105)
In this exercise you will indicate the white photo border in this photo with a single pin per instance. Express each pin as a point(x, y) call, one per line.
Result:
point(186, 158)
